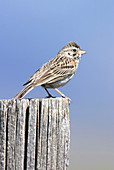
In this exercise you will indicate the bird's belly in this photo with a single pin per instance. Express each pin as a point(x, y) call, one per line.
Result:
point(58, 83)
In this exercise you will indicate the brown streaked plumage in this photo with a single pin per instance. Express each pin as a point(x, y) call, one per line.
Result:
point(56, 72)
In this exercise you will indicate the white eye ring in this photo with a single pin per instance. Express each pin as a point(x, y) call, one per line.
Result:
point(74, 50)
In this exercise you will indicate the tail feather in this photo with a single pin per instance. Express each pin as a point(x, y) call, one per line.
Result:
point(23, 92)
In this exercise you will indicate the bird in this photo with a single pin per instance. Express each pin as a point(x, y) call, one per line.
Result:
point(56, 72)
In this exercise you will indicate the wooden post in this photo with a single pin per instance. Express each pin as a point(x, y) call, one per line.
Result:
point(34, 134)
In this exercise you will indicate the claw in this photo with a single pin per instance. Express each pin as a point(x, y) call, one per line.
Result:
point(50, 96)
point(69, 100)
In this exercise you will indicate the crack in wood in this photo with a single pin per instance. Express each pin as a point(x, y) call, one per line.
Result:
point(26, 138)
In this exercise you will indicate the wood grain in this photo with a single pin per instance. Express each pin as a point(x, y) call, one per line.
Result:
point(34, 134)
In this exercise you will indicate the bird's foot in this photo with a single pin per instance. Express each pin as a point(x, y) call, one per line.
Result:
point(50, 96)
point(69, 100)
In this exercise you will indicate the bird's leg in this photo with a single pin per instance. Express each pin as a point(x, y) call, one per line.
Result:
point(63, 95)
point(49, 95)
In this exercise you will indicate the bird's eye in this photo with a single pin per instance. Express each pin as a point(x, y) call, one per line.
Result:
point(74, 50)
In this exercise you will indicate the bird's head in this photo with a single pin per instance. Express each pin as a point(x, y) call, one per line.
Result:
point(72, 50)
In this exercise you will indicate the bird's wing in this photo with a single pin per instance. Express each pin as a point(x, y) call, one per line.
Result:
point(54, 70)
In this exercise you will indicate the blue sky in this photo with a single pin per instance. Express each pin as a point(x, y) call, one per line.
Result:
point(32, 32)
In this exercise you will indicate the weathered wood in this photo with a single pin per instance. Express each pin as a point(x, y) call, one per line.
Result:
point(3, 122)
point(34, 134)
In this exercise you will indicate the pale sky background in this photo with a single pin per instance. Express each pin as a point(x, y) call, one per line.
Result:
point(32, 32)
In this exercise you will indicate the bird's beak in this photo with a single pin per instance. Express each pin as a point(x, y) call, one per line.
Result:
point(82, 52)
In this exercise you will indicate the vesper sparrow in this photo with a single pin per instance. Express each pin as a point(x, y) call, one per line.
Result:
point(56, 72)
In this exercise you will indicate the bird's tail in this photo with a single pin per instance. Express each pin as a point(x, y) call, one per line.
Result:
point(23, 92)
